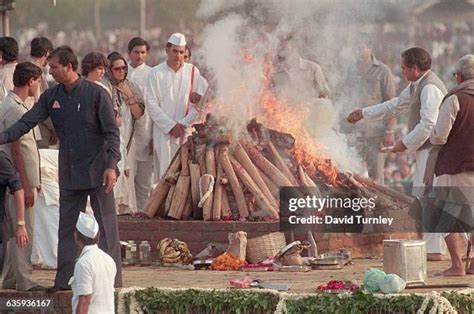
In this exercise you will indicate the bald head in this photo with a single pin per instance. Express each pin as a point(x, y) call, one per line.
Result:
point(465, 67)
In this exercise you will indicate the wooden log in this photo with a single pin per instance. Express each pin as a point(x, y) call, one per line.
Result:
point(303, 178)
point(180, 197)
point(184, 160)
point(307, 181)
point(225, 208)
point(262, 202)
point(281, 164)
point(195, 174)
point(201, 153)
point(252, 170)
point(211, 162)
point(218, 190)
point(158, 195)
point(211, 170)
point(267, 167)
point(274, 189)
point(385, 190)
point(169, 199)
point(252, 207)
point(205, 182)
point(234, 183)
point(188, 208)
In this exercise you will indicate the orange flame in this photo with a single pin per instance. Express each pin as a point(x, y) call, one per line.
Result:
point(276, 113)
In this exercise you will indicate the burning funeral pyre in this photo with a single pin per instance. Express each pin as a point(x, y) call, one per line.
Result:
point(216, 176)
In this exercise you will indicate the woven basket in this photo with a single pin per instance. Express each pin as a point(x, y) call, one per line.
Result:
point(265, 246)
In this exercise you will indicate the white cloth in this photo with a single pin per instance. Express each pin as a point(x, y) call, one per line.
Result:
point(431, 97)
point(45, 240)
point(143, 126)
point(6, 79)
point(166, 96)
point(124, 190)
point(94, 274)
point(143, 179)
point(87, 225)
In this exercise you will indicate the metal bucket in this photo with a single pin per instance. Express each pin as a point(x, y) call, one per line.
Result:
point(406, 258)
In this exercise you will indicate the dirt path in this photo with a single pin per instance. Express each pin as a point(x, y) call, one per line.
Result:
point(300, 282)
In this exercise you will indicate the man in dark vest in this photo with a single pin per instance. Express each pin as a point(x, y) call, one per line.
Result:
point(454, 170)
point(83, 117)
point(421, 99)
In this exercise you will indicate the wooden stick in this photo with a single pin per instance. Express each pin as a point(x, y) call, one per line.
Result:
point(234, 183)
point(158, 195)
point(188, 208)
point(180, 196)
point(386, 190)
point(272, 186)
point(225, 208)
point(252, 170)
point(281, 164)
point(169, 199)
point(218, 190)
point(210, 169)
point(267, 167)
point(302, 174)
point(211, 162)
point(195, 173)
point(206, 210)
point(184, 159)
point(201, 153)
point(260, 198)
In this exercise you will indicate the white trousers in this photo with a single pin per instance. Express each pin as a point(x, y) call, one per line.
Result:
point(143, 178)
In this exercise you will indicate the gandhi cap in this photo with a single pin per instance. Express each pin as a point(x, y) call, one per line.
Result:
point(177, 39)
point(87, 225)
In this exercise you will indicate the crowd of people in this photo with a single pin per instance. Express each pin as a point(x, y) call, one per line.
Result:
point(109, 146)
point(118, 120)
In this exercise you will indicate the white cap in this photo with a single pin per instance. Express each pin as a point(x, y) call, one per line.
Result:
point(177, 39)
point(87, 225)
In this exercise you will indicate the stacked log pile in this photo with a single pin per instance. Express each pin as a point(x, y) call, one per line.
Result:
point(215, 176)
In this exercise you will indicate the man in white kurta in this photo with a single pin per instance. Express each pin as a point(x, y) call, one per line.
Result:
point(94, 273)
point(138, 73)
point(455, 165)
point(173, 89)
point(421, 98)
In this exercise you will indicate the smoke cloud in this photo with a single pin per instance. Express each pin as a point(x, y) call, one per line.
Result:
point(242, 36)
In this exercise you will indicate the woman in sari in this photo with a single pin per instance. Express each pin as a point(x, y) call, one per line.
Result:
point(128, 105)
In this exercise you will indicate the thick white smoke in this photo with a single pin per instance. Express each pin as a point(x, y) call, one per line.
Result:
point(241, 34)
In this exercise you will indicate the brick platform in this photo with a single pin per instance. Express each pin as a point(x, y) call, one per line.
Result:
point(197, 234)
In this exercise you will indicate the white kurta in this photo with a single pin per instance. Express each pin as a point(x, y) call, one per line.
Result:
point(166, 96)
point(431, 97)
point(143, 126)
point(94, 274)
